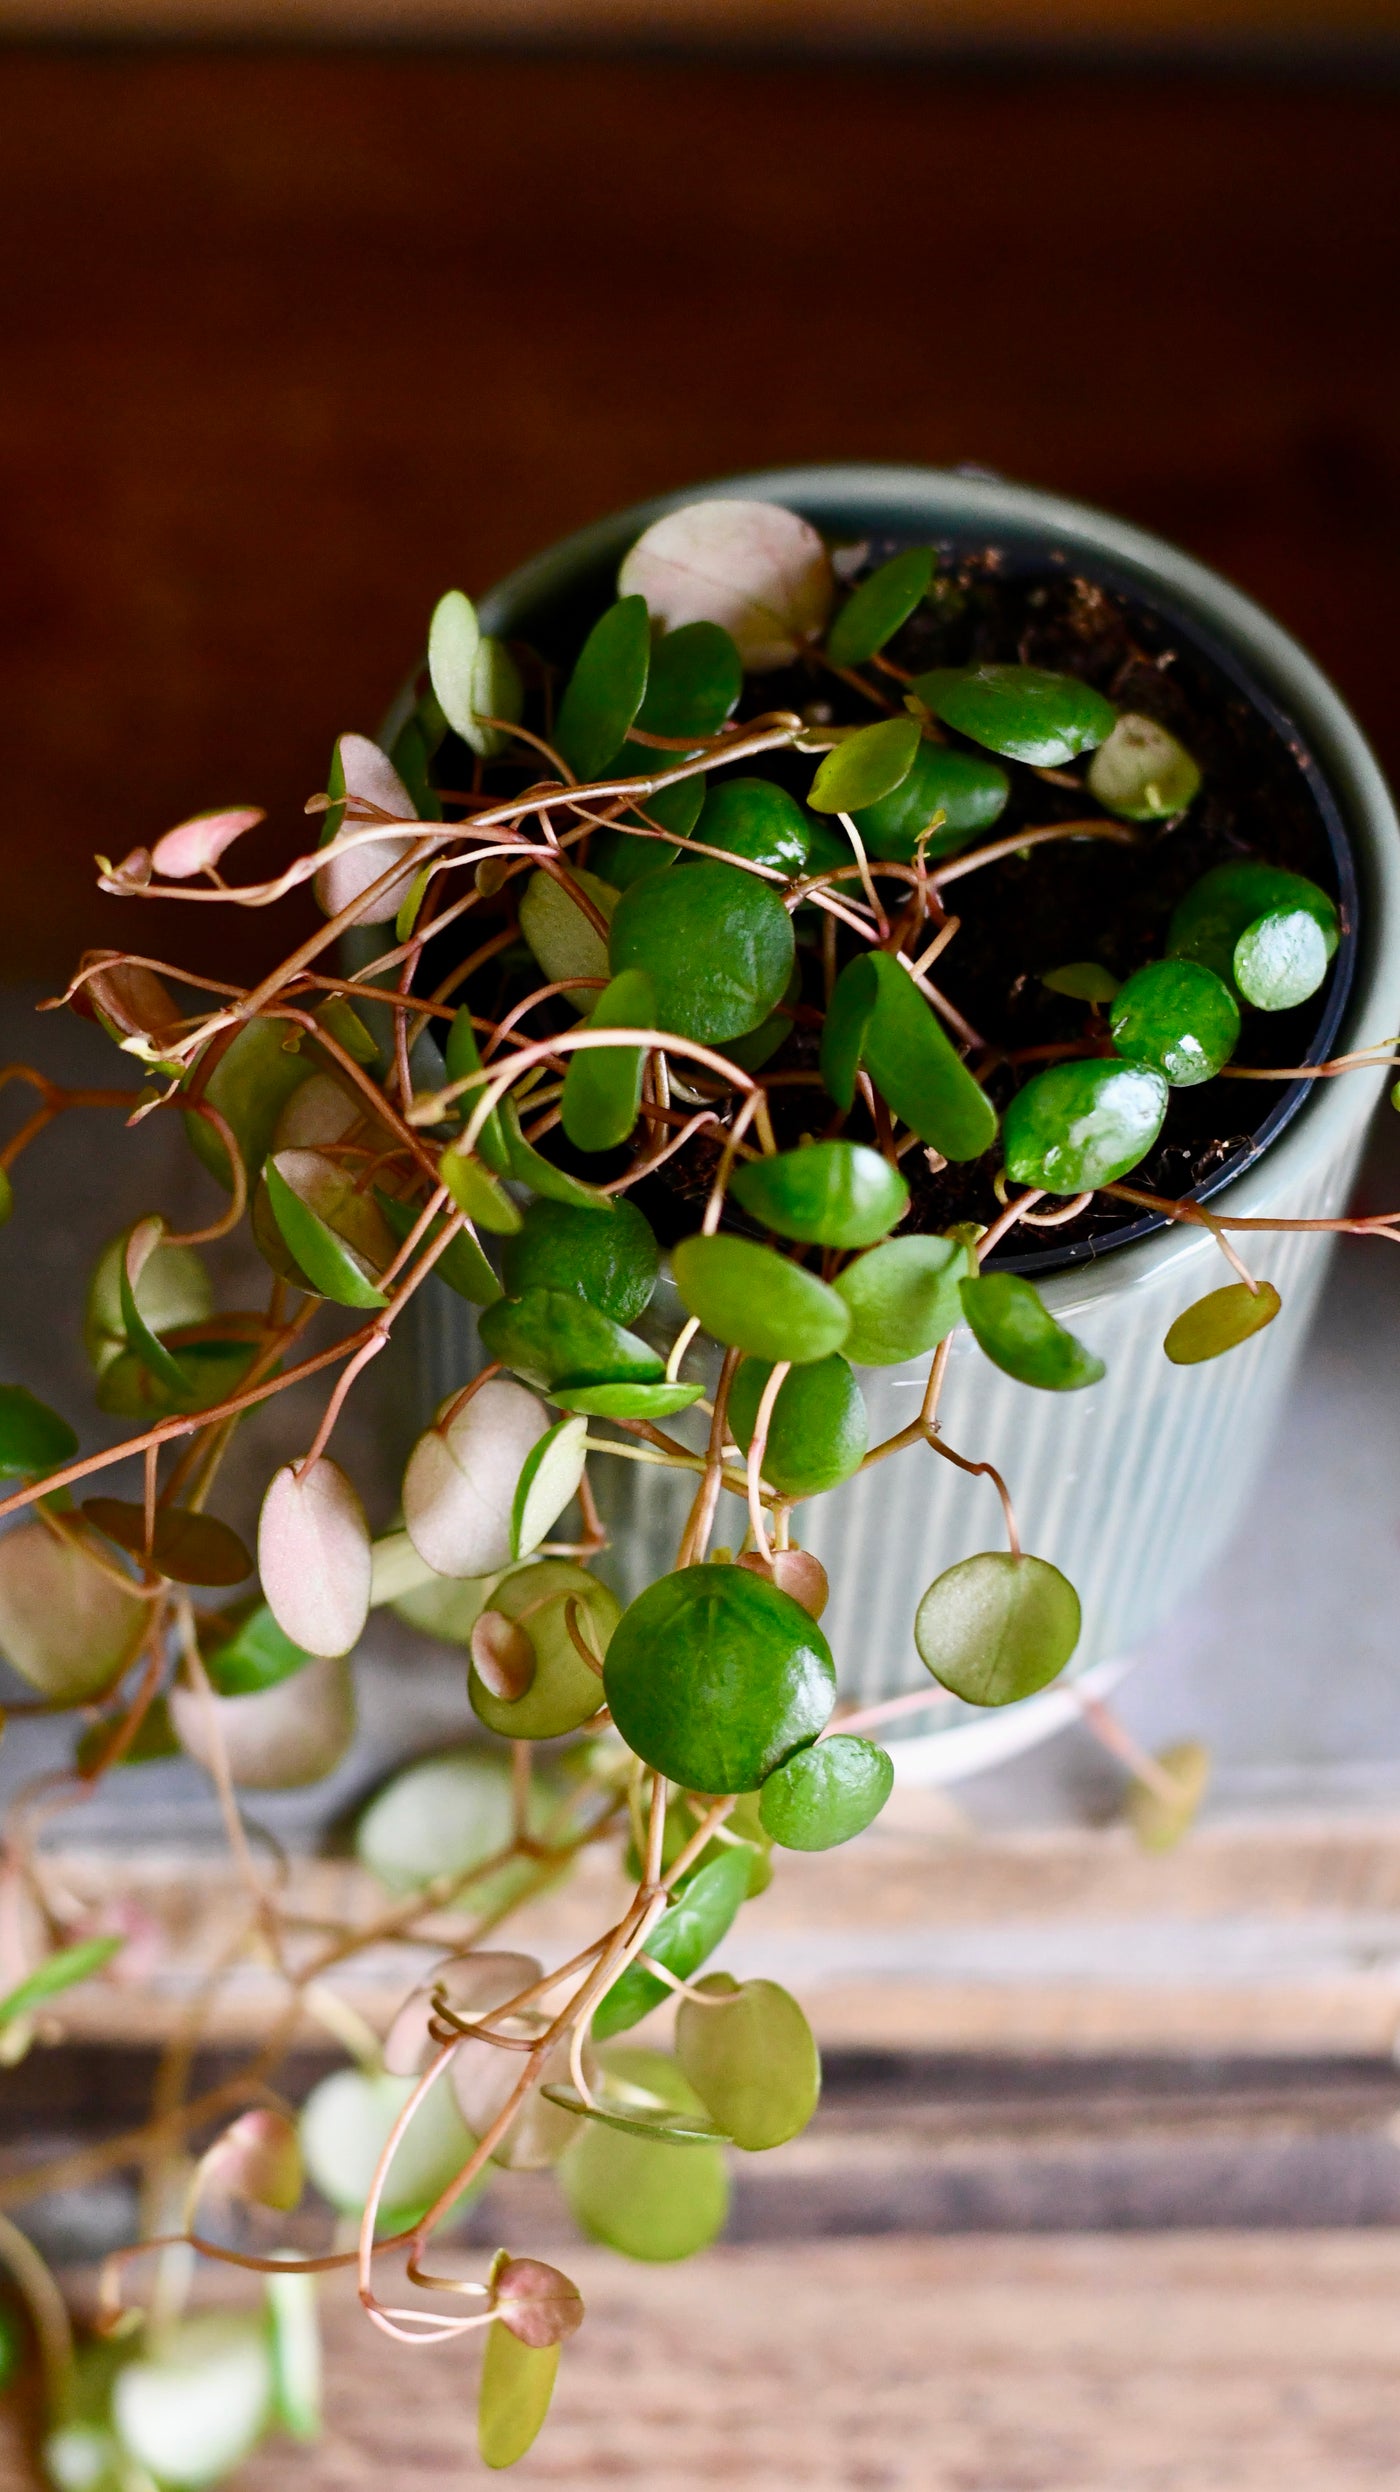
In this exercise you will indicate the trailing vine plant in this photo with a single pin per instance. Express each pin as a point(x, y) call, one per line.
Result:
point(612, 925)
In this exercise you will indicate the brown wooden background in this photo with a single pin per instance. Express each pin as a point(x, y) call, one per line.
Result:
point(290, 343)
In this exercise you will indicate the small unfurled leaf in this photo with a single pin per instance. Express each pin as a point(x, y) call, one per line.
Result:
point(751, 2056)
point(66, 1624)
point(1025, 712)
point(192, 2408)
point(1077, 1126)
point(63, 1970)
point(462, 1265)
point(314, 1556)
point(714, 1676)
point(502, 1657)
point(603, 1085)
point(1221, 1321)
point(688, 1931)
point(758, 570)
point(256, 1655)
point(757, 1300)
point(716, 942)
point(186, 1546)
point(33, 1438)
point(366, 785)
point(865, 766)
point(818, 1428)
point(565, 941)
point(903, 1298)
point(548, 1482)
point(536, 2302)
point(257, 2159)
point(1159, 1818)
point(606, 688)
point(825, 1194)
point(517, 2383)
point(756, 818)
point(294, 2338)
point(652, 2196)
point(460, 1484)
point(996, 1628)
point(1086, 981)
point(611, 1258)
point(1141, 772)
point(794, 1571)
point(558, 1606)
point(278, 1740)
point(825, 1794)
point(194, 846)
point(879, 606)
point(553, 1337)
point(477, 1191)
point(966, 790)
point(1178, 1017)
point(333, 1266)
point(132, 1003)
point(1012, 1323)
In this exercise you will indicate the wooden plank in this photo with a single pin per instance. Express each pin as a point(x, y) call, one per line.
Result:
point(798, 25)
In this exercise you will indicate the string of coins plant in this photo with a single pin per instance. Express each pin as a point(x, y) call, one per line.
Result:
point(657, 958)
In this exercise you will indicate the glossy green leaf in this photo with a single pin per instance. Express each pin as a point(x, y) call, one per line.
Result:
point(903, 1298)
point(63, 1970)
point(564, 940)
point(252, 1080)
point(454, 644)
point(716, 942)
point(626, 1401)
point(969, 791)
point(517, 2383)
point(332, 1267)
point(548, 1483)
point(461, 1056)
point(825, 1194)
point(345, 2125)
point(865, 766)
point(1158, 1819)
point(1177, 1016)
point(1077, 1126)
point(610, 1258)
point(256, 1655)
point(188, 1547)
point(1011, 1322)
point(825, 1794)
point(603, 1085)
point(606, 689)
point(644, 2195)
point(756, 1300)
point(1140, 771)
point(1087, 981)
point(694, 683)
point(1025, 712)
point(33, 1438)
point(1281, 959)
point(462, 1265)
point(530, 1167)
point(1221, 1321)
point(913, 1063)
point(1216, 911)
point(818, 1431)
point(688, 1932)
point(756, 818)
point(714, 1676)
point(476, 1190)
point(846, 1028)
point(874, 613)
point(551, 1337)
point(564, 1692)
point(621, 857)
point(752, 2058)
point(996, 1628)
point(294, 2340)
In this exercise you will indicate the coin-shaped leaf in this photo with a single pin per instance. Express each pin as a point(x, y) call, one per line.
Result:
point(818, 1430)
point(360, 770)
point(255, 1654)
point(825, 1794)
point(548, 1482)
point(256, 2158)
point(517, 2383)
point(795, 1571)
point(536, 2302)
point(564, 1692)
point(1209, 922)
point(1177, 1016)
point(1077, 1126)
point(33, 1438)
point(688, 1931)
point(903, 1298)
point(869, 762)
point(190, 2410)
point(609, 1258)
point(333, 1266)
point(752, 2058)
point(291, 1735)
point(606, 688)
point(460, 1485)
point(565, 942)
point(345, 2125)
point(969, 791)
point(826, 1193)
point(996, 1628)
point(1012, 1323)
point(875, 611)
point(314, 1556)
point(714, 1676)
point(603, 1085)
point(255, 1072)
point(462, 1265)
point(66, 1625)
point(554, 1337)
point(652, 2199)
point(758, 819)
point(1025, 712)
point(454, 641)
point(187, 1546)
point(439, 1818)
point(1159, 1818)
point(757, 1300)
point(1221, 1321)
point(1087, 981)
point(693, 684)
point(914, 1064)
point(757, 569)
point(716, 942)
point(1141, 772)
point(1281, 959)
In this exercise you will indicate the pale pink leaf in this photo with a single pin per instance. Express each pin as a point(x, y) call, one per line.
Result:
point(314, 1556)
point(537, 2303)
point(459, 1487)
point(370, 778)
point(470, 1984)
point(199, 843)
point(258, 2158)
point(755, 568)
point(282, 1738)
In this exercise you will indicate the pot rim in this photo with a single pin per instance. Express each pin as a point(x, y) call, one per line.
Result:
point(941, 500)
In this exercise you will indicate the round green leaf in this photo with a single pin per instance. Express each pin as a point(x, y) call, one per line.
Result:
point(1216, 911)
point(256, 1655)
point(1281, 959)
point(621, 856)
point(914, 1064)
point(252, 1080)
point(1221, 1321)
point(903, 1298)
point(756, 1300)
point(825, 1794)
point(967, 790)
point(441, 1818)
point(603, 1085)
point(552, 1337)
point(997, 1628)
point(331, 1264)
point(606, 688)
point(716, 942)
point(1025, 712)
point(565, 942)
point(752, 2058)
point(462, 1265)
point(819, 1429)
point(627, 1401)
point(825, 1194)
point(548, 1483)
point(563, 1692)
point(1140, 771)
point(714, 1676)
point(1077, 1126)
point(688, 1931)
point(517, 2383)
point(193, 2408)
point(694, 683)
point(609, 1258)
point(1159, 1821)
point(879, 606)
point(1011, 1322)
point(647, 2197)
point(756, 818)
point(33, 1438)
point(865, 766)
point(1087, 981)
point(345, 2123)
point(1177, 1016)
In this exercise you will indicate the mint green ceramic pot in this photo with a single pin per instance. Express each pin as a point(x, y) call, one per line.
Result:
point(1134, 1486)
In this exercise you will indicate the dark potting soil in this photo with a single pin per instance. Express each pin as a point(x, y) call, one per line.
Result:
point(1076, 900)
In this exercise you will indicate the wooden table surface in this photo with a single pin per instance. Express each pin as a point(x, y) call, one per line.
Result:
point(292, 343)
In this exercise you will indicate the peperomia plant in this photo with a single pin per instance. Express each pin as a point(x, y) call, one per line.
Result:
point(617, 961)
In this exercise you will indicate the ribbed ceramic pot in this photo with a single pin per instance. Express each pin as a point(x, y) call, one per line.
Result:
point(1134, 1486)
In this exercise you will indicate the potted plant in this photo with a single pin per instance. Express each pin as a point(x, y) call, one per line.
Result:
point(819, 971)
